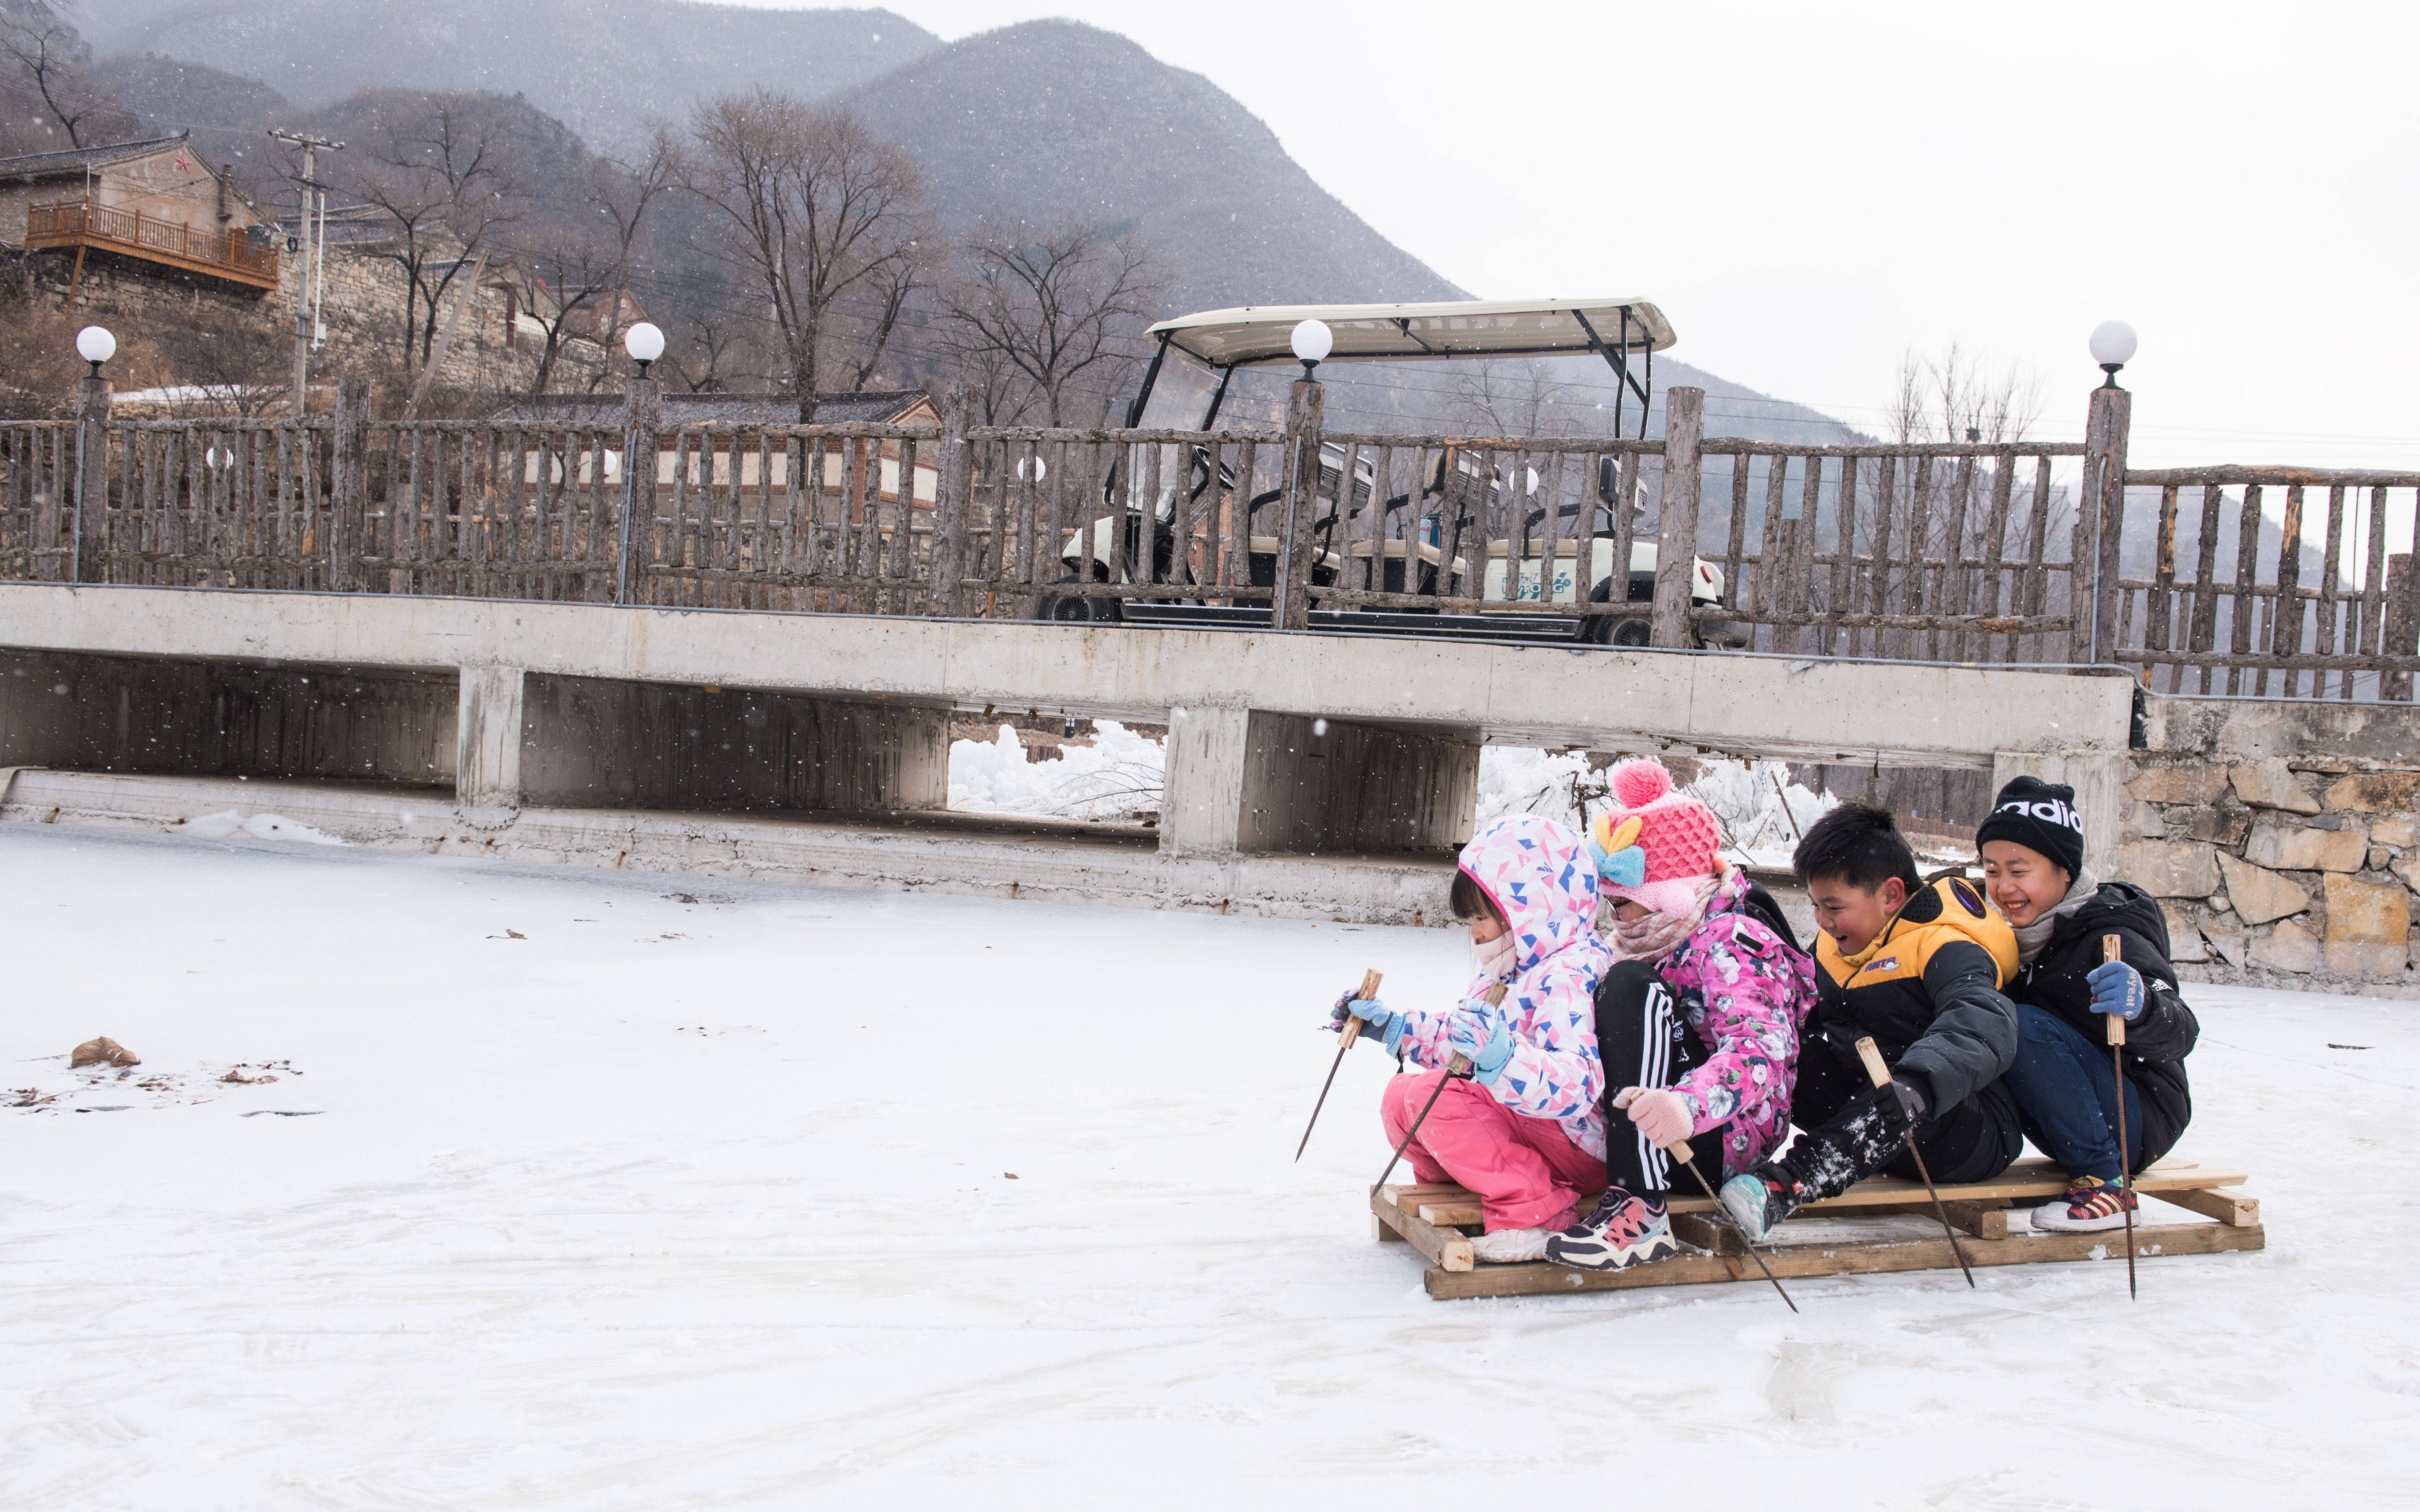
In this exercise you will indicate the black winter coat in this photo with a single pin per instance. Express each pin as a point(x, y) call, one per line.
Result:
point(2159, 1039)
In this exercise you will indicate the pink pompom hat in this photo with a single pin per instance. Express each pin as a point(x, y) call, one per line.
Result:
point(1654, 846)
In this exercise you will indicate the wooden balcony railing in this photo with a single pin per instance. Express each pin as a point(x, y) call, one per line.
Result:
point(227, 255)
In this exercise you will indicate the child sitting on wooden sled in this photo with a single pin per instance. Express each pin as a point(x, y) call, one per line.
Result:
point(1522, 1130)
point(1696, 1021)
point(1919, 970)
point(2032, 845)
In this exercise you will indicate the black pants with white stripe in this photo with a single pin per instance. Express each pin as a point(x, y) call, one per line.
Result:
point(1645, 1041)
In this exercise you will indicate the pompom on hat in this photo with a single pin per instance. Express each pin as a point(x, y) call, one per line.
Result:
point(1654, 846)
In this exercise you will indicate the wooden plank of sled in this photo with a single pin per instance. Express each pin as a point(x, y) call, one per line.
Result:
point(1446, 1249)
point(2025, 1178)
point(2235, 1209)
point(1822, 1260)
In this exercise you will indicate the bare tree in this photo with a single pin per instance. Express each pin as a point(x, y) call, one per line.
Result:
point(1508, 396)
point(45, 89)
point(1057, 309)
point(814, 209)
point(1954, 395)
point(439, 179)
point(581, 267)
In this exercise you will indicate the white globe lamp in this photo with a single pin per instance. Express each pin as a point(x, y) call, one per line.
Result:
point(645, 343)
point(95, 344)
point(2112, 347)
point(1313, 341)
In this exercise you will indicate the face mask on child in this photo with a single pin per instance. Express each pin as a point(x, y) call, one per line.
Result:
point(1496, 957)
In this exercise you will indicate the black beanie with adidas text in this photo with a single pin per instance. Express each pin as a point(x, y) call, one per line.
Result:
point(2041, 816)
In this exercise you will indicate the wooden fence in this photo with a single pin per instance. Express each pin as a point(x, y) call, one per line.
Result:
point(1959, 552)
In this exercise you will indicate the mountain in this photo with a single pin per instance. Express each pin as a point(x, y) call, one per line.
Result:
point(606, 68)
point(1040, 122)
point(1053, 121)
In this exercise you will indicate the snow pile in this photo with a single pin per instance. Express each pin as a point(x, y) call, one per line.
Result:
point(227, 824)
point(1118, 776)
point(1762, 812)
point(1521, 779)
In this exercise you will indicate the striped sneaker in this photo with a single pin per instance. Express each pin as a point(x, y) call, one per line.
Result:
point(1622, 1230)
point(2092, 1205)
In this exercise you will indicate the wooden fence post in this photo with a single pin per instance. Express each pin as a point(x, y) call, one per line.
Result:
point(950, 509)
point(2101, 509)
point(349, 476)
point(2402, 631)
point(643, 415)
point(87, 562)
point(1676, 530)
point(1306, 412)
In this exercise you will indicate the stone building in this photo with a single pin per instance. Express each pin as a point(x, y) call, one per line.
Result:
point(147, 236)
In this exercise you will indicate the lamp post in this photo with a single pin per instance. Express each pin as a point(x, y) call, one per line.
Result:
point(2112, 347)
point(2105, 428)
point(645, 343)
point(95, 344)
point(1311, 341)
point(1306, 411)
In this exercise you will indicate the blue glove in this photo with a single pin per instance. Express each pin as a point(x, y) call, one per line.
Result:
point(2117, 988)
point(1373, 1014)
point(1480, 1032)
point(1376, 1018)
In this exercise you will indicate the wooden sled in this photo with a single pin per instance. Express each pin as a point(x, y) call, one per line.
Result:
point(1860, 1231)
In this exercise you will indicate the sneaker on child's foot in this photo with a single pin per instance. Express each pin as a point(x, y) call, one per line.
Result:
point(2092, 1205)
point(1759, 1199)
point(1622, 1230)
point(1509, 1246)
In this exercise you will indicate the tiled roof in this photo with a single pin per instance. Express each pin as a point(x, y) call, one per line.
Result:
point(77, 160)
point(869, 407)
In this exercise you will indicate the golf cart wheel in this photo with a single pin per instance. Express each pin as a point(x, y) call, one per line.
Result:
point(1620, 632)
point(1069, 609)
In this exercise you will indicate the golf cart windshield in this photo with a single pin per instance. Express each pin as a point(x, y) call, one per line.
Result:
point(1180, 393)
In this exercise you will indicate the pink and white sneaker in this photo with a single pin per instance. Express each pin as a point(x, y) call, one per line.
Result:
point(1622, 1230)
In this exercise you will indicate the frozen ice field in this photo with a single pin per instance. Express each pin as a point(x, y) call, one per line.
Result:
point(613, 1200)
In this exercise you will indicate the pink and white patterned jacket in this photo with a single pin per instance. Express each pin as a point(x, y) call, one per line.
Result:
point(1544, 882)
point(1746, 994)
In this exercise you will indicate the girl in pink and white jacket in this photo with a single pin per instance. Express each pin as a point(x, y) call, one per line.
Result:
point(1524, 1128)
point(1697, 1019)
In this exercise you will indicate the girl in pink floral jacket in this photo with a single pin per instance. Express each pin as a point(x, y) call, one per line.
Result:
point(1697, 1019)
point(1524, 1126)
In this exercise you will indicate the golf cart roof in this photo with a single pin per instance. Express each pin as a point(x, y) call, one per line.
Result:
point(1399, 333)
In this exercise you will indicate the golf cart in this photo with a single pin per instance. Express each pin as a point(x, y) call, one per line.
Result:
point(1431, 541)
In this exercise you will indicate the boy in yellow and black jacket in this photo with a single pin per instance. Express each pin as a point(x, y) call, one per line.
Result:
point(1919, 968)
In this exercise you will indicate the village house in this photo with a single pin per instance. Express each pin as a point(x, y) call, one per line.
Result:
point(137, 215)
point(142, 233)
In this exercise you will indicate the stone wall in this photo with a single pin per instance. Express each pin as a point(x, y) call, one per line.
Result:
point(361, 309)
point(2280, 839)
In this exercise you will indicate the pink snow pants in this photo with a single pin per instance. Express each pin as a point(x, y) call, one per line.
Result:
point(1527, 1171)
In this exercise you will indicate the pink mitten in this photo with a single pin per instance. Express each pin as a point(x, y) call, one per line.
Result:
point(1661, 1116)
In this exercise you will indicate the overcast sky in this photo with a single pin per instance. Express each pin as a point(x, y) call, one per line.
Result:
point(1811, 191)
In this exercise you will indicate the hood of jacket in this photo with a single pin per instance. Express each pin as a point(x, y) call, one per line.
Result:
point(2116, 906)
point(1541, 878)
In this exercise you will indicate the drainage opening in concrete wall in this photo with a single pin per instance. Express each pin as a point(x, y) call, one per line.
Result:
point(1100, 772)
point(602, 743)
point(145, 715)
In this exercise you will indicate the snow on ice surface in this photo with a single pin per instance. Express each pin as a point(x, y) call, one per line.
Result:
point(703, 1205)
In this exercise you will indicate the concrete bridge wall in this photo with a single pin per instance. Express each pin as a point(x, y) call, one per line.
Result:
point(1307, 773)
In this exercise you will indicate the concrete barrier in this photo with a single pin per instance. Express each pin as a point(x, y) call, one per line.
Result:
point(577, 727)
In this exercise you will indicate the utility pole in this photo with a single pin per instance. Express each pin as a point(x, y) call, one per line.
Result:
point(306, 278)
